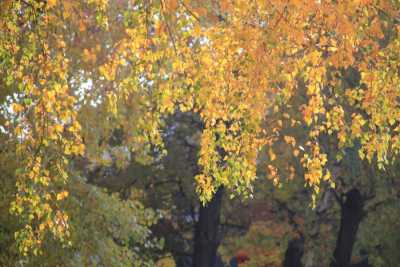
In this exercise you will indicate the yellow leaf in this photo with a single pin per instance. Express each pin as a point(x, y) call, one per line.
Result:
point(271, 154)
point(18, 130)
point(67, 150)
point(290, 140)
point(62, 195)
point(59, 128)
point(17, 108)
point(51, 3)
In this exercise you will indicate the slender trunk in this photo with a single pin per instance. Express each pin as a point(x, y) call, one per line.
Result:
point(294, 253)
point(351, 215)
point(206, 240)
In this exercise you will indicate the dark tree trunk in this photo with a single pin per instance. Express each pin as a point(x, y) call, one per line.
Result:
point(206, 240)
point(351, 216)
point(294, 253)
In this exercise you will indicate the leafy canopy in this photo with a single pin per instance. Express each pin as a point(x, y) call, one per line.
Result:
point(75, 70)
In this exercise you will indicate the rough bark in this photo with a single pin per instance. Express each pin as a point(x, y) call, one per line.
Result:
point(206, 240)
point(351, 216)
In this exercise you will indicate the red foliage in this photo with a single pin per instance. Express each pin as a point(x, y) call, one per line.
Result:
point(242, 256)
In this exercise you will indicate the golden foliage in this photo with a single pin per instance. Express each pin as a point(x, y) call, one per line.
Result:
point(235, 64)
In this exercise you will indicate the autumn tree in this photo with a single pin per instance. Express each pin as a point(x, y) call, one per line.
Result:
point(45, 66)
point(235, 64)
